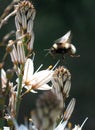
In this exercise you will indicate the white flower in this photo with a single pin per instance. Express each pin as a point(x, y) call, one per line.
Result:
point(38, 80)
point(61, 125)
point(22, 127)
point(67, 115)
point(17, 127)
point(17, 53)
point(3, 78)
point(6, 128)
point(77, 127)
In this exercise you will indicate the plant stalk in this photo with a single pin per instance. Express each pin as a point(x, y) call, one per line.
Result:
point(19, 89)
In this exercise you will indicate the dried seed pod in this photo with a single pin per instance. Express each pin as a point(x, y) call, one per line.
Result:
point(24, 22)
point(69, 110)
point(9, 47)
point(48, 109)
point(61, 83)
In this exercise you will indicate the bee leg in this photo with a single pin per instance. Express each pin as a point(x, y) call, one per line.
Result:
point(53, 55)
point(63, 57)
point(75, 55)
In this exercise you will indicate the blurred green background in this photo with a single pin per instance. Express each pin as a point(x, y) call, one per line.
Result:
point(54, 18)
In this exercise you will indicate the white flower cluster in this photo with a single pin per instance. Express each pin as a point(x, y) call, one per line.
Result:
point(50, 112)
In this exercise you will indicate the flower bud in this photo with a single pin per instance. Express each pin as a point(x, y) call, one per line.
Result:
point(9, 74)
point(9, 47)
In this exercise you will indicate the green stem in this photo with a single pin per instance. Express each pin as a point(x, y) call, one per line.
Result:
point(2, 102)
point(19, 91)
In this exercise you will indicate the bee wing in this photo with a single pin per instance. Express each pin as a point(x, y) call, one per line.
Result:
point(65, 38)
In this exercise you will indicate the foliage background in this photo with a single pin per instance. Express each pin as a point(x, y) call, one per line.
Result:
point(54, 18)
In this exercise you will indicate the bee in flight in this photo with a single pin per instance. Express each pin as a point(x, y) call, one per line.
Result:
point(63, 46)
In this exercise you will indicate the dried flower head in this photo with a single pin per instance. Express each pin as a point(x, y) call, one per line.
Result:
point(24, 22)
point(67, 114)
point(48, 109)
point(61, 82)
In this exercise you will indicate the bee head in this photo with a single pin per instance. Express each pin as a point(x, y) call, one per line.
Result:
point(52, 50)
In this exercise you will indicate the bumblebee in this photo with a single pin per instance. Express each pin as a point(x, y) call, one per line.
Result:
point(63, 46)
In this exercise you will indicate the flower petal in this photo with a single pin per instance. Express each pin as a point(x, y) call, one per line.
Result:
point(22, 127)
point(3, 78)
point(28, 70)
point(44, 87)
point(61, 125)
point(42, 77)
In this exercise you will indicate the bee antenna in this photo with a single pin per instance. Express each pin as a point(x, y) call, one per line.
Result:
point(75, 55)
point(46, 49)
point(47, 52)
